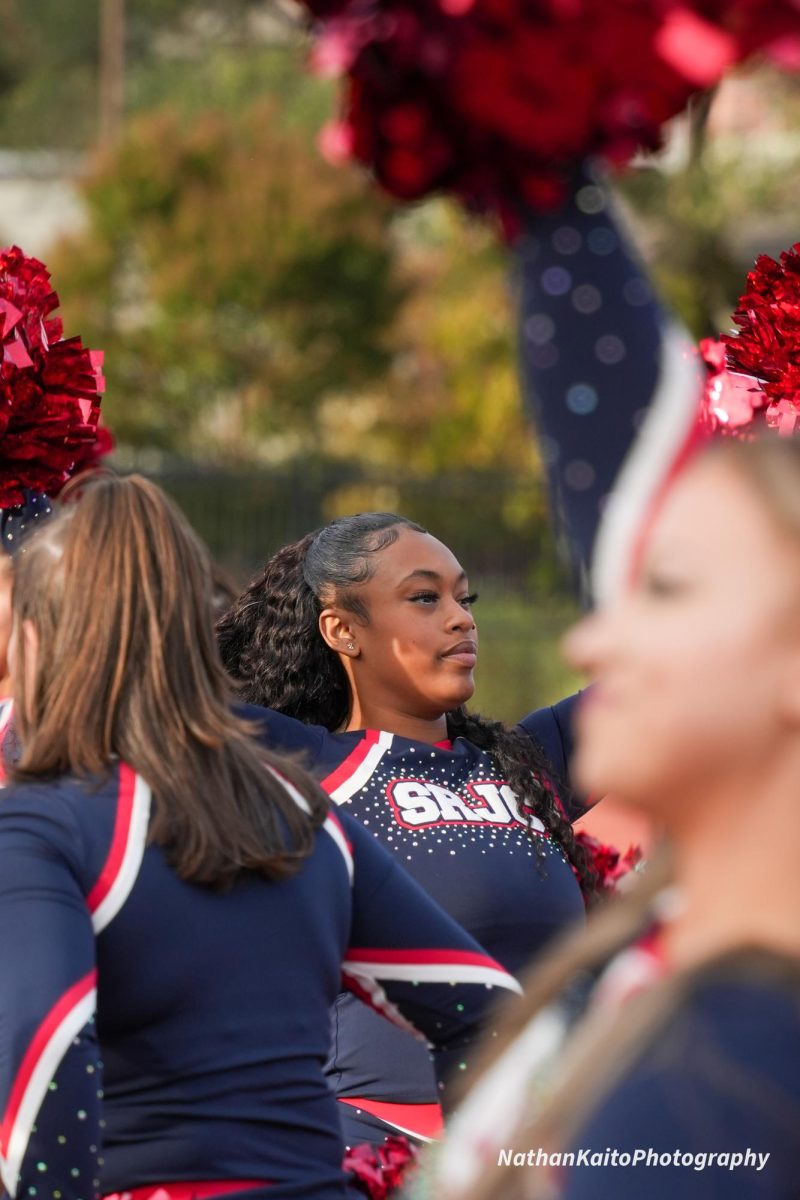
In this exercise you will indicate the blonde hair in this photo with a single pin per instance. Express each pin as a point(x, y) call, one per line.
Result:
point(118, 589)
point(603, 1047)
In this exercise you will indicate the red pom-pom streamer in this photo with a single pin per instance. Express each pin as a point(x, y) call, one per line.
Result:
point(50, 386)
point(767, 345)
point(494, 100)
point(768, 27)
point(731, 401)
point(378, 1170)
point(608, 863)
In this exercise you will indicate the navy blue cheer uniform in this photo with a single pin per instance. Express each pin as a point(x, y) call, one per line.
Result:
point(450, 819)
point(154, 1030)
point(705, 1104)
point(711, 1109)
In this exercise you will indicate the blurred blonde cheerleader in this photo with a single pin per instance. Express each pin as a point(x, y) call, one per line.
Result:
point(658, 1054)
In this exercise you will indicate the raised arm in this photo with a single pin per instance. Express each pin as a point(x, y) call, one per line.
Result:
point(598, 350)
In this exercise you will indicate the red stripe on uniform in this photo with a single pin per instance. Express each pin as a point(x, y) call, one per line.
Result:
point(119, 840)
point(39, 1042)
point(195, 1190)
point(414, 958)
point(351, 763)
point(351, 984)
point(423, 1120)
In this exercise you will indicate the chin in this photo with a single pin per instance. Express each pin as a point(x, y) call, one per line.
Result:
point(603, 774)
point(464, 694)
point(595, 771)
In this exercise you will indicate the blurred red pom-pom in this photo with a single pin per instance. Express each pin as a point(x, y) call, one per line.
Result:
point(767, 345)
point(378, 1170)
point(50, 387)
point(495, 100)
point(607, 862)
point(767, 27)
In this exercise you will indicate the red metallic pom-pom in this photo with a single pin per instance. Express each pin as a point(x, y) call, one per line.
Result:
point(495, 100)
point(50, 386)
point(378, 1170)
point(768, 27)
point(607, 862)
point(767, 345)
point(731, 401)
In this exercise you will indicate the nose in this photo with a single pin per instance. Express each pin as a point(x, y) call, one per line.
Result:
point(459, 617)
point(588, 645)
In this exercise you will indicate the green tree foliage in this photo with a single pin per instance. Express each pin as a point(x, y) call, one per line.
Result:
point(703, 218)
point(49, 52)
point(234, 281)
point(455, 391)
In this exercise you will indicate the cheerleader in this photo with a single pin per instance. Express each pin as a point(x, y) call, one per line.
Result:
point(361, 640)
point(657, 1055)
point(178, 907)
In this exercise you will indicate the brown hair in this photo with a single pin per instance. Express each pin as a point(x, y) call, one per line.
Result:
point(118, 589)
point(602, 1047)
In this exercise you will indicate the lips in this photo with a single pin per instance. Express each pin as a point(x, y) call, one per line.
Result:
point(464, 653)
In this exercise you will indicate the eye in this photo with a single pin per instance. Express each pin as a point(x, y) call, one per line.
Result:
point(662, 587)
point(468, 601)
point(424, 598)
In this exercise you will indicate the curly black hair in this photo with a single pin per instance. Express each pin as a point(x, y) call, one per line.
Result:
point(271, 646)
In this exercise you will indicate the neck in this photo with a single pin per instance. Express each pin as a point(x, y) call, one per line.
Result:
point(406, 725)
point(736, 868)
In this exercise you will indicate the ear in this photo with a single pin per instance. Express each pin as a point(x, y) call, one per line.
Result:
point(338, 632)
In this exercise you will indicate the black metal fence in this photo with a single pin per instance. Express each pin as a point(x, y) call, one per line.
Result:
point(495, 523)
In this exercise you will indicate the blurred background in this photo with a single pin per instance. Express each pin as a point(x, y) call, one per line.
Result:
point(284, 345)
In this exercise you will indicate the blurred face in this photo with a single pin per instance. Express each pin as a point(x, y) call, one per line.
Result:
point(697, 668)
point(418, 650)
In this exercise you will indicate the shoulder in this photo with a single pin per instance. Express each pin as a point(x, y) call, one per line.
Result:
point(725, 1059)
point(748, 1007)
point(552, 728)
point(63, 820)
point(278, 732)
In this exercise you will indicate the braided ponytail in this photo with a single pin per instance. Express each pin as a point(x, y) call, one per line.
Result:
point(271, 646)
point(524, 766)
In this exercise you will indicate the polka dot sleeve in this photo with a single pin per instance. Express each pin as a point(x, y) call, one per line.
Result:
point(592, 349)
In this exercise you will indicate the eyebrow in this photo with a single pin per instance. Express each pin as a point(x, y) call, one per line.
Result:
point(423, 573)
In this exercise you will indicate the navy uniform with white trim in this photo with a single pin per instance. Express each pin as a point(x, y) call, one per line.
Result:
point(451, 820)
point(155, 1030)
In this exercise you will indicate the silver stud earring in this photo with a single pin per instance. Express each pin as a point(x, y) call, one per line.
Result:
point(351, 646)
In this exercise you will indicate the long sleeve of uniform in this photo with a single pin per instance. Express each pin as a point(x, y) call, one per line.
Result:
point(597, 351)
point(50, 1074)
point(410, 961)
point(722, 1079)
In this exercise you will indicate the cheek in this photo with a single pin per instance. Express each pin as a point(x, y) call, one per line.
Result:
point(668, 720)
